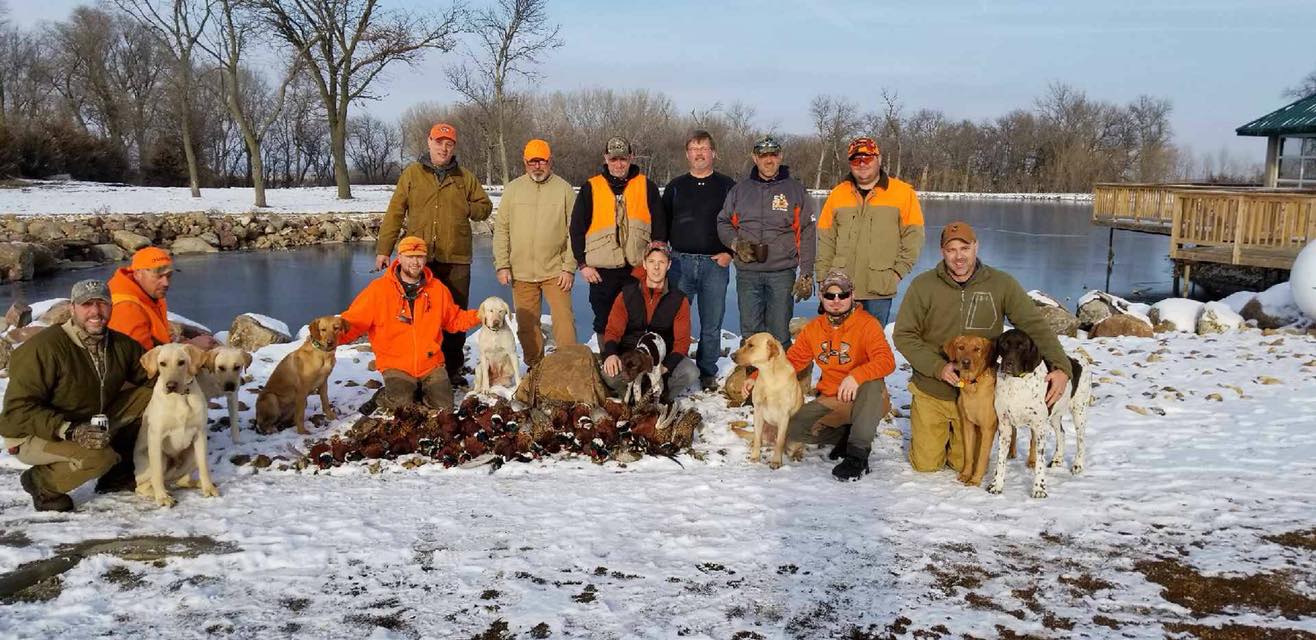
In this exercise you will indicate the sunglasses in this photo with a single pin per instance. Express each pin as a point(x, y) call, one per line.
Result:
point(840, 295)
point(862, 161)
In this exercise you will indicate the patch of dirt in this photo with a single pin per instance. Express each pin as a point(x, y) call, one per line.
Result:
point(14, 539)
point(541, 630)
point(489, 594)
point(1106, 621)
point(1233, 631)
point(392, 621)
point(949, 577)
point(1206, 595)
point(295, 605)
point(1010, 634)
point(497, 631)
point(586, 596)
point(1084, 584)
point(1295, 539)
point(979, 601)
point(124, 577)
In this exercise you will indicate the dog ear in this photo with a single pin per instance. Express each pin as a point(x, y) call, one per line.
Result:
point(343, 325)
point(1032, 356)
point(949, 348)
point(774, 349)
point(208, 362)
point(196, 358)
point(149, 362)
point(314, 329)
point(246, 360)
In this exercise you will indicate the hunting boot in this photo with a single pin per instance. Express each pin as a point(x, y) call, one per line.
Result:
point(838, 451)
point(43, 500)
point(853, 467)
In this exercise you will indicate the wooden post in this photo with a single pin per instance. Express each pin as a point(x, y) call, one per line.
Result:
point(1110, 257)
point(1187, 279)
point(1272, 162)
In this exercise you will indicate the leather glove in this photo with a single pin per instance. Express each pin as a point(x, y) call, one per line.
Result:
point(744, 251)
point(88, 437)
point(803, 287)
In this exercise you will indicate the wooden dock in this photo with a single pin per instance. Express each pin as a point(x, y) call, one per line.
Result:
point(1240, 226)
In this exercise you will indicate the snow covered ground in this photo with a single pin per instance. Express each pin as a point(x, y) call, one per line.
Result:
point(1201, 453)
point(72, 198)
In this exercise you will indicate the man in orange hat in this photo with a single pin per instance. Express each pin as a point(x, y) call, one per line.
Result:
point(404, 313)
point(872, 227)
point(436, 200)
point(532, 250)
point(138, 293)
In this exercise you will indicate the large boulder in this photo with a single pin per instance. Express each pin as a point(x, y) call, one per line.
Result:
point(1061, 321)
point(1121, 324)
point(1096, 306)
point(191, 244)
point(1218, 317)
point(130, 241)
point(17, 261)
point(58, 313)
point(18, 336)
point(44, 260)
point(1175, 314)
point(18, 315)
point(107, 253)
point(5, 352)
point(249, 334)
point(1273, 308)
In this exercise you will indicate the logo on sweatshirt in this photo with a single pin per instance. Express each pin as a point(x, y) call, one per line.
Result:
point(780, 203)
point(826, 353)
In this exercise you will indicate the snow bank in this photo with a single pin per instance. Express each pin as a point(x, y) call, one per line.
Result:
point(1179, 313)
point(1236, 301)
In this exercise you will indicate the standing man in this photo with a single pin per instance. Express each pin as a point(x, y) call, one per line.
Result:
point(768, 220)
point(403, 312)
point(437, 200)
point(960, 296)
point(872, 227)
point(532, 250)
point(688, 221)
point(74, 402)
point(610, 227)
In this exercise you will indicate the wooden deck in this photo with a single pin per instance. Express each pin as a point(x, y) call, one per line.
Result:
point(1243, 226)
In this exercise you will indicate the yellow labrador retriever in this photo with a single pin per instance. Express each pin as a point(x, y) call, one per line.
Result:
point(776, 393)
point(299, 374)
point(172, 441)
point(499, 364)
point(221, 375)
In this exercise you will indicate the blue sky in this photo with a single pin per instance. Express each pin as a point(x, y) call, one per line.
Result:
point(1220, 62)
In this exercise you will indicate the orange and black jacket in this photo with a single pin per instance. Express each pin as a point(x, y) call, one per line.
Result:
point(639, 309)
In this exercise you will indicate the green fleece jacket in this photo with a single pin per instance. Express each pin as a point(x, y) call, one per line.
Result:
point(52, 381)
point(936, 309)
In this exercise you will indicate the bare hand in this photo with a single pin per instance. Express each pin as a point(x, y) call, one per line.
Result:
point(722, 259)
point(662, 369)
point(504, 276)
point(381, 262)
point(748, 387)
point(612, 366)
point(591, 275)
point(848, 390)
point(566, 280)
point(949, 375)
point(1056, 381)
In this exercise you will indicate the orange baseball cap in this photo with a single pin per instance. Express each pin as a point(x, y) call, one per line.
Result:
point(443, 130)
point(413, 246)
point(152, 259)
point(537, 150)
point(958, 231)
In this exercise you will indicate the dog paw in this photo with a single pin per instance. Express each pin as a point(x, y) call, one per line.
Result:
point(994, 488)
point(1055, 463)
point(1077, 469)
point(184, 482)
point(1039, 492)
point(210, 491)
point(963, 478)
point(165, 500)
point(754, 456)
point(330, 413)
point(774, 463)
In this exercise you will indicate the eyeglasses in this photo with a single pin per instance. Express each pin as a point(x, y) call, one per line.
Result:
point(840, 295)
point(862, 161)
point(536, 161)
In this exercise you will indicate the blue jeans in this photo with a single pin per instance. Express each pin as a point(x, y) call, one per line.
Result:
point(704, 282)
point(765, 302)
point(879, 308)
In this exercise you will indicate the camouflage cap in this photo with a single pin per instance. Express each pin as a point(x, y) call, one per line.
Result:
point(837, 278)
point(767, 144)
point(618, 146)
point(86, 290)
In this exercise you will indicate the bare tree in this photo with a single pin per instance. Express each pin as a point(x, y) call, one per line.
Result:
point(834, 119)
point(231, 34)
point(346, 45)
point(510, 38)
point(372, 146)
point(178, 24)
point(1304, 88)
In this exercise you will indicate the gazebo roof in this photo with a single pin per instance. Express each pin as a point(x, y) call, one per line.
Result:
point(1292, 119)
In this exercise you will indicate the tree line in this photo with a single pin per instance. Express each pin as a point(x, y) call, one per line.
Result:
point(214, 93)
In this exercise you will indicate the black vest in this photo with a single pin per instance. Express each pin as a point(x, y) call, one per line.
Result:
point(664, 315)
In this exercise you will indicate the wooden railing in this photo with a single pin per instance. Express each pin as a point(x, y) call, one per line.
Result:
point(1134, 206)
point(1255, 228)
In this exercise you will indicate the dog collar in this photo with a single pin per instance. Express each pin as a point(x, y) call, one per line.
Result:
point(321, 346)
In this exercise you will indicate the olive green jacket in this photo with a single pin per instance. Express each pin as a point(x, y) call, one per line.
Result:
point(936, 309)
point(438, 210)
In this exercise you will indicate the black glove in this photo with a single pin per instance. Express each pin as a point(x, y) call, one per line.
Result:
point(803, 289)
point(88, 437)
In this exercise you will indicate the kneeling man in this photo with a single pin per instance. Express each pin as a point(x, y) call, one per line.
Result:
point(405, 313)
point(74, 403)
point(649, 304)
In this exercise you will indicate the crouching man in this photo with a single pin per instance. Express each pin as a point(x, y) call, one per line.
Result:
point(74, 403)
point(648, 303)
point(850, 349)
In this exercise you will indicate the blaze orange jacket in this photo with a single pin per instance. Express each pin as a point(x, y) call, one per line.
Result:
point(136, 314)
point(412, 348)
point(856, 348)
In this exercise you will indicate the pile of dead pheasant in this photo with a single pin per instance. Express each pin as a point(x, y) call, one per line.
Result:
point(481, 433)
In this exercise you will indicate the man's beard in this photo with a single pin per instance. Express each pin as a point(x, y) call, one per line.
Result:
point(94, 332)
